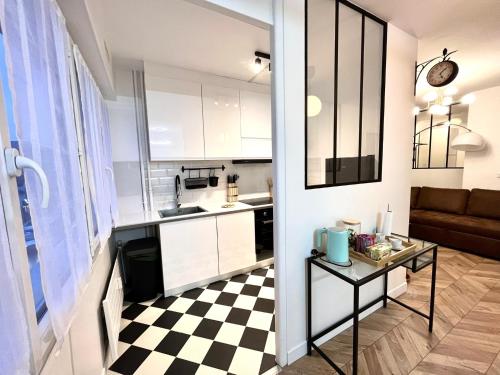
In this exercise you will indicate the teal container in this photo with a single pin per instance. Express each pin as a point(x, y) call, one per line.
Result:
point(337, 244)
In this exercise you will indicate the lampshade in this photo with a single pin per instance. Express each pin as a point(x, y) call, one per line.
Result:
point(313, 106)
point(468, 142)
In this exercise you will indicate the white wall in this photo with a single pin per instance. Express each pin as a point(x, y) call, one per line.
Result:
point(124, 143)
point(440, 178)
point(84, 349)
point(302, 211)
point(89, 343)
point(482, 168)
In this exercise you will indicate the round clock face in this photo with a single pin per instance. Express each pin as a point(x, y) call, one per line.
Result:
point(442, 73)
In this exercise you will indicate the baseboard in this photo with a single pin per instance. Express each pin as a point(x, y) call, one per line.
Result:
point(300, 350)
point(201, 283)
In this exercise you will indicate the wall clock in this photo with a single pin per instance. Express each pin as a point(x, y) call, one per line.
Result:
point(443, 73)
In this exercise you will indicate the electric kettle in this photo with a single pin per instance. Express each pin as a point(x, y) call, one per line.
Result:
point(337, 244)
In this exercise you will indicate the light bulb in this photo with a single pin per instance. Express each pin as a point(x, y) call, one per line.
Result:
point(447, 124)
point(430, 96)
point(416, 111)
point(447, 100)
point(313, 106)
point(450, 91)
point(437, 109)
point(468, 99)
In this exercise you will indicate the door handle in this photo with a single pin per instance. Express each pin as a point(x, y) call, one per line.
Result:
point(15, 165)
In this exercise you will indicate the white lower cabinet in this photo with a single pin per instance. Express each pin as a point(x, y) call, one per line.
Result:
point(236, 241)
point(188, 251)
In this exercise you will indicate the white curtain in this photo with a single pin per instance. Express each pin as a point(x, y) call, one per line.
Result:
point(37, 52)
point(14, 344)
point(96, 131)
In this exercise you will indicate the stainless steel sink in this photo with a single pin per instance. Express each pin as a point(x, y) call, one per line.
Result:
point(180, 211)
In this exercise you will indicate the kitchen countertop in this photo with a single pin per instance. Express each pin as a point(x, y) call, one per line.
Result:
point(145, 218)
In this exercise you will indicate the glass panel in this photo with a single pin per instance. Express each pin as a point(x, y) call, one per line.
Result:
point(439, 141)
point(320, 88)
point(422, 139)
point(348, 94)
point(34, 264)
point(459, 116)
point(372, 88)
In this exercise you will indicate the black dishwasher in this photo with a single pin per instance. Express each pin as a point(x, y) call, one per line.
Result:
point(264, 233)
point(263, 227)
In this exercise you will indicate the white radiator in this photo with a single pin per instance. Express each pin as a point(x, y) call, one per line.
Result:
point(112, 305)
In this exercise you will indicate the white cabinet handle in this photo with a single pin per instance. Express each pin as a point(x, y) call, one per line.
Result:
point(16, 163)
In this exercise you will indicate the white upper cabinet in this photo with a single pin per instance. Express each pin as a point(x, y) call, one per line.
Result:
point(175, 119)
point(256, 148)
point(221, 119)
point(255, 114)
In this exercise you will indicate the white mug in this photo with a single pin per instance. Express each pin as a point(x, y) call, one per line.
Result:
point(396, 243)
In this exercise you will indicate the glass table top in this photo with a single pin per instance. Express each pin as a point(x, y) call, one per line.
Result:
point(360, 270)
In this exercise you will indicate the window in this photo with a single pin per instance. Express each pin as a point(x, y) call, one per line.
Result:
point(89, 203)
point(433, 136)
point(31, 248)
point(345, 78)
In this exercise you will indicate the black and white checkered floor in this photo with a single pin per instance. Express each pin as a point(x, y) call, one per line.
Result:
point(224, 328)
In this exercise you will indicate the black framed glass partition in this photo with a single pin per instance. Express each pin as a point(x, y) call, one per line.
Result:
point(434, 135)
point(345, 84)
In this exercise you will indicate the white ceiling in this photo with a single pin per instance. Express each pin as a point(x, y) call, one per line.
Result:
point(182, 34)
point(470, 26)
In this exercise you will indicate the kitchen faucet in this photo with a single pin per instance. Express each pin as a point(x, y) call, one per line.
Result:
point(178, 190)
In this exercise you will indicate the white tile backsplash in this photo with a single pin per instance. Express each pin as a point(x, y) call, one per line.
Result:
point(253, 179)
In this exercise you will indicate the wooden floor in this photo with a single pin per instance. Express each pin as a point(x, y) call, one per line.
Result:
point(466, 337)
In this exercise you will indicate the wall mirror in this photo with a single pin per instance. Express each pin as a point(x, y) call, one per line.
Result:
point(434, 135)
point(345, 78)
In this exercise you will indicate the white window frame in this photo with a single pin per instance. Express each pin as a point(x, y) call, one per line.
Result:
point(94, 241)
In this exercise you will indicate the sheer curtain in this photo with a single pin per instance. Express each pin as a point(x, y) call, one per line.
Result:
point(37, 46)
point(14, 344)
point(96, 133)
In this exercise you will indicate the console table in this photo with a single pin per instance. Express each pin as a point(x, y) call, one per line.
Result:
point(358, 275)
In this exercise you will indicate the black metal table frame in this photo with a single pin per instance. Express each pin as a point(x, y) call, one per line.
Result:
point(358, 310)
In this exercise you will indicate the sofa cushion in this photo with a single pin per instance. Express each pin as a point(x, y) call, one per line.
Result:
point(461, 223)
point(453, 201)
point(415, 191)
point(484, 203)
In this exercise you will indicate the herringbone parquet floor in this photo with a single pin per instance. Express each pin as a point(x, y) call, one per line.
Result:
point(466, 337)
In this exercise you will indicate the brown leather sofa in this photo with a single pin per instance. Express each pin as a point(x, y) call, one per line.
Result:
point(457, 218)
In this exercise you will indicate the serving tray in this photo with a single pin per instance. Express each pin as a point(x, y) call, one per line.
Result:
point(408, 247)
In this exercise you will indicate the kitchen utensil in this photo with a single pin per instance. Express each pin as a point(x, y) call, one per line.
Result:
point(195, 182)
point(337, 244)
point(213, 180)
point(232, 192)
